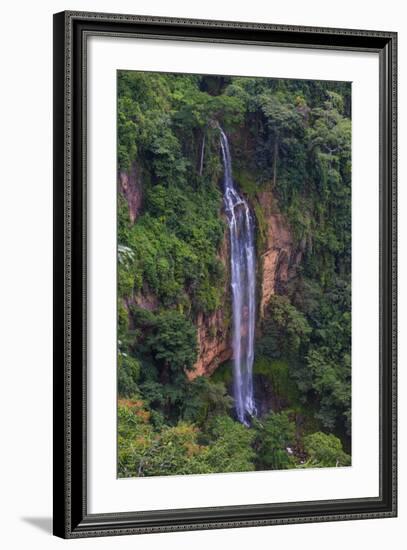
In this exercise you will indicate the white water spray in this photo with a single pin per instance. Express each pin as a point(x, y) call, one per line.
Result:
point(243, 270)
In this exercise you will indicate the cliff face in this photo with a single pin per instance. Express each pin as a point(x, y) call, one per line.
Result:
point(213, 331)
point(276, 264)
point(213, 337)
point(130, 186)
point(214, 345)
point(280, 258)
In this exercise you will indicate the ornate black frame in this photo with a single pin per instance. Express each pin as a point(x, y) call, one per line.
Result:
point(71, 30)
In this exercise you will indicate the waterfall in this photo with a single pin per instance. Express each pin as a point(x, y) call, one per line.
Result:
point(243, 268)
point(202, 156)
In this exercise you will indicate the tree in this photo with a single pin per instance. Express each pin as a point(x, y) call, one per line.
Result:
point(205, 400)
point(274, 435)
point(173, 345)
point(128, 375)
point(332, 382)
point(285, 329)
point(291, 138)
point(135, 437)
point(145, 452)
point(284, 122)
point(229, 447)
point(325, 450)
point(176, 450)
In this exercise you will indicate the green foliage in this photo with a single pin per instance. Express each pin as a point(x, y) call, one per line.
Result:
point(325, 450)
point(174, 246)
point(128, 375)
point(173, 343)
point(312, 334)
point(224, 373)
point(135, 436)
point(288, 137)
point(122, 320)
point(176, 450)
point(332, 383)
point(230, 447)
point(278, 372)
point(285, 125)
point(285, 327)
point(142, 102)
point(275, 433)
point(324, 369)
point(145, 452)
point(205, 400)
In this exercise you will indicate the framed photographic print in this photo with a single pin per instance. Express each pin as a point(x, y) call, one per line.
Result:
point(224, 274)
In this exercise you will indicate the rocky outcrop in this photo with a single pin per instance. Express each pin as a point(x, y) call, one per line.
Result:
point(130, 186)
point(280, 258)
point(146, 300)
point(213, 330)
point(213, 344)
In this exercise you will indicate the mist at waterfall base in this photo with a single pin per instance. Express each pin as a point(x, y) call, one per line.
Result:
point(243, 281)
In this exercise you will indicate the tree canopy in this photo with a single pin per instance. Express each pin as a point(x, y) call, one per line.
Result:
point(292, 139)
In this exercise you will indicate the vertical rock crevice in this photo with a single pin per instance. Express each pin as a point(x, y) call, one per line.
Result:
point(129, 183)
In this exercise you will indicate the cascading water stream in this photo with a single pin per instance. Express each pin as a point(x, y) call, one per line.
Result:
point(243, 270)
point(202, 156)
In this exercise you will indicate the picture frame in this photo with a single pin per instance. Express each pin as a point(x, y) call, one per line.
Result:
point(71, 516)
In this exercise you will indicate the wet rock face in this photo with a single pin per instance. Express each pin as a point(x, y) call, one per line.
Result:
point(130, 186)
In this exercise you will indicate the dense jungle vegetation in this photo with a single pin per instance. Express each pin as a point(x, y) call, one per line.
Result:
point(290, 137)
